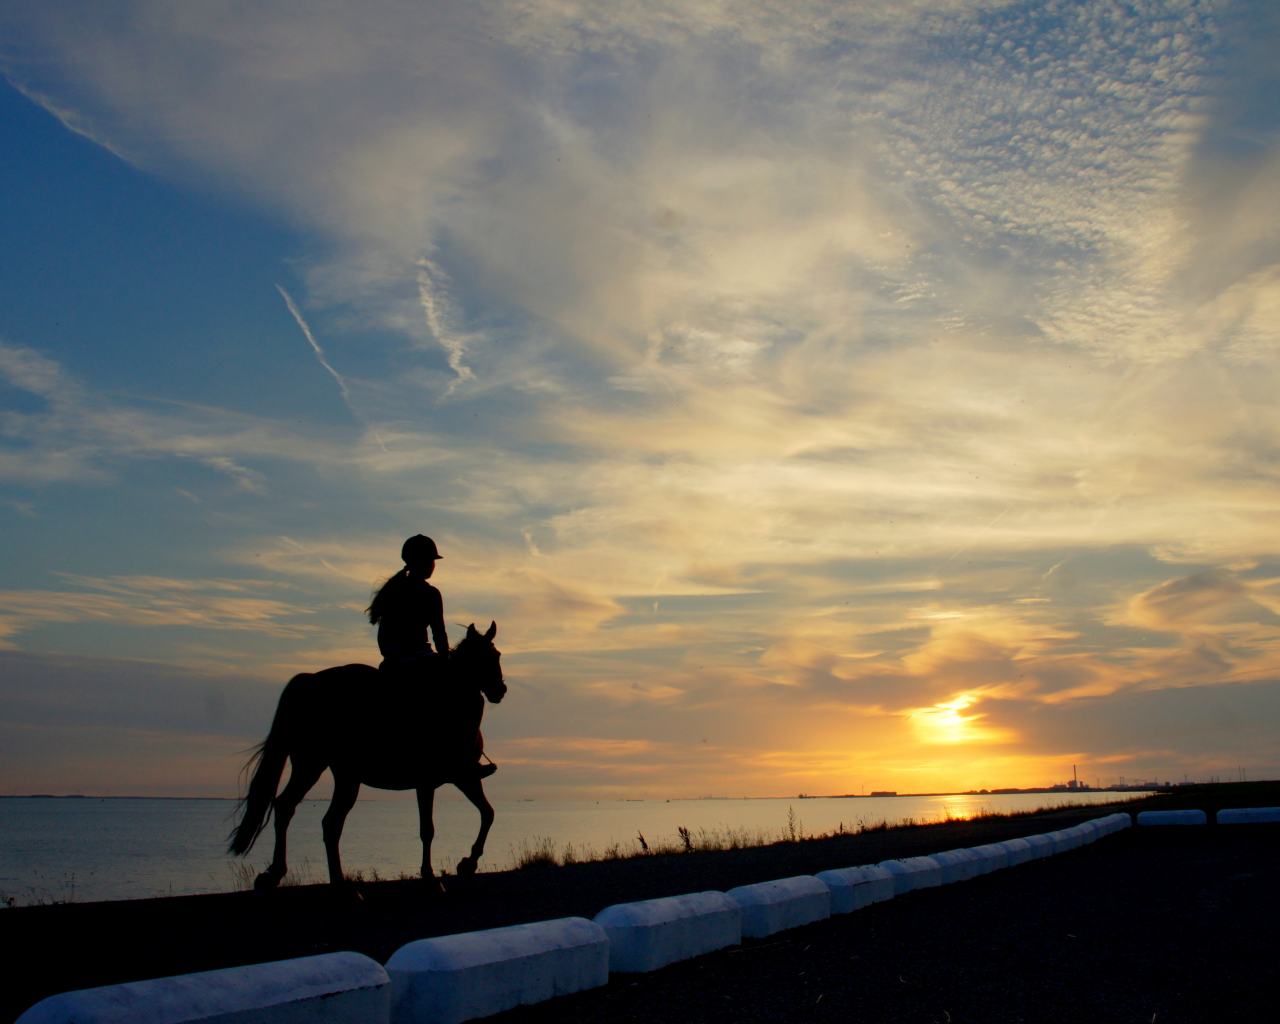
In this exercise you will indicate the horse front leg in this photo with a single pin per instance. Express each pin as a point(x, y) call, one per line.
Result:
point(473, 790)
point(345, 792)
point(427, 830)
point(301, 779)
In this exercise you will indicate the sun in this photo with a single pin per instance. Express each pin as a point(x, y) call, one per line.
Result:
point(945, 723)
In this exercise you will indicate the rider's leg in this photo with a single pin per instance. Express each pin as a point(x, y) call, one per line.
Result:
point(471, 758)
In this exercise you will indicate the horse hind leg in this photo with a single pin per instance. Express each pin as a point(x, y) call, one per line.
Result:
point(473, 790)
point(301, 779)
point(344, 798)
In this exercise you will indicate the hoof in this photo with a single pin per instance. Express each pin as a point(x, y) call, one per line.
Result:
point(431, 886)
point(266, 881)
point(467, 866)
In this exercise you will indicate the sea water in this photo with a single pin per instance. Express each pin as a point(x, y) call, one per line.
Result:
point(88, 849)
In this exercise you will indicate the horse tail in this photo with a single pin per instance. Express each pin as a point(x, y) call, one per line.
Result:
point(265, 766)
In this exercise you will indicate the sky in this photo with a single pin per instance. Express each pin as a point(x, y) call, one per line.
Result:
point(821, 397)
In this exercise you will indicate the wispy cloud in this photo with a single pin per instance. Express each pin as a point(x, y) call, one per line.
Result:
point(147, 602)
point(432, 290)
point(867, 379)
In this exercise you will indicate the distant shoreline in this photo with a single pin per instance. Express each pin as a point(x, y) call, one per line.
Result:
point(88, 796)
point(656, 800)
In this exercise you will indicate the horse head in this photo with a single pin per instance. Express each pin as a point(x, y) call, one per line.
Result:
point(483, 659)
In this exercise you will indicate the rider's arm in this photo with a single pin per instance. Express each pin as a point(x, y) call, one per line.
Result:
point(435, 619)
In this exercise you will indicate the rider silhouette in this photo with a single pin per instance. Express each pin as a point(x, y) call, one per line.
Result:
point(403, 609)
point(406, 605)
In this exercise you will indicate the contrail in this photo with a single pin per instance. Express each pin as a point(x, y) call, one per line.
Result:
point(342, 384)
point(972, 542)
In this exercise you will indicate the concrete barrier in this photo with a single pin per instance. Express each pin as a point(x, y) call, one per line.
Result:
point(335, 988)
point(651, 934)
point(968, 863)
point(770, 907)
point(991, 857)
point(453, 978)
point(913, 873)
point(854, 888)
point(1246, 815)
point(1172, 818)
point(1019, 851)
point(1041, 846)
point(955, 864)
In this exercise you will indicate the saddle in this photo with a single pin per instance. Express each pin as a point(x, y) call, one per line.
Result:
point(414, 688)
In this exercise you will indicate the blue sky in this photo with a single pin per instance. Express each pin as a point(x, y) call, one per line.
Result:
point(818, 395)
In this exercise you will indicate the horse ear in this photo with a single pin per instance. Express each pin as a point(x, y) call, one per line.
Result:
point(472, 631)
point(491, 632)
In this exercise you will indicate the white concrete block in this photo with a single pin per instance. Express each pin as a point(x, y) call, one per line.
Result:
point(1172, 818)
point(1088, 832)
point(968, 862)
point(453, 978)
point(1041, 846)
point(770, 907)
point(991, 857)
point(335, 988)
point(651, 934)
point(953, 865)
point(1019, 851)
point(855, 888)
point(913, 873)
point(1245, 815)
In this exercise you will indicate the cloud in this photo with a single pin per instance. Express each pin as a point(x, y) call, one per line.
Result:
point(845, 379)
point(149, 602)
point(1204, 597)
point(109, 726)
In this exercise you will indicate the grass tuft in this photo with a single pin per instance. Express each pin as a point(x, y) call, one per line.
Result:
point(538, 852)
point(541, 851)
point(42, 895)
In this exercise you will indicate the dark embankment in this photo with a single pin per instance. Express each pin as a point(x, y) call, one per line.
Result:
point(1174, 925)
point(54, 948)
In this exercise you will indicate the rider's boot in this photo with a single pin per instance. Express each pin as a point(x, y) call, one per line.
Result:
point(475, 770)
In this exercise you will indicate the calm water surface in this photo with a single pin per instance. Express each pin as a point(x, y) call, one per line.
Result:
point(96, 849)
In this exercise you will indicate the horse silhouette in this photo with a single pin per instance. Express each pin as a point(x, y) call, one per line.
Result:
point(372, 730)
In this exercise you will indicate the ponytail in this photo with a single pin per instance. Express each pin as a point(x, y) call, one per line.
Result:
point(384, 596)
